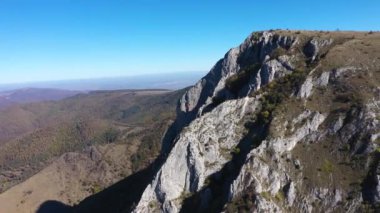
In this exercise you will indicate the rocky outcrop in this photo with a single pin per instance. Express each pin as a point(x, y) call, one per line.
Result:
point(317, 47)
point(265, 177)
point(202, 147)
point(269, 90)
point(201, 150)
point(256, 49)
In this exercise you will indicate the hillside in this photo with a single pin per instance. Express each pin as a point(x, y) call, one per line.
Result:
point(286, 122)
point(80, 145)
point(27, 95)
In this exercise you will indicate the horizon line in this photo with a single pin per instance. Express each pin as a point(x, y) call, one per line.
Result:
point(100, 78)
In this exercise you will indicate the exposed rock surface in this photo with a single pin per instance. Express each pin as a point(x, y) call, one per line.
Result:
point(286, 122)
point(254, 50)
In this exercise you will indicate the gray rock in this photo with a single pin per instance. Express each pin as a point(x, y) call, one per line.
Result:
point(314, 47)
point(291, 194)
point(215, 129)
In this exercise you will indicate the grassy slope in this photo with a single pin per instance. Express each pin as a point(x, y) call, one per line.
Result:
point(114, 123)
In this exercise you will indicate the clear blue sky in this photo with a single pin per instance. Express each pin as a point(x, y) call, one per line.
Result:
point(69, 39)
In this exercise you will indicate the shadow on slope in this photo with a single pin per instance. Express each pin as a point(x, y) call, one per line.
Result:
point(120, 197)
point(124, 195)
point(54, 206)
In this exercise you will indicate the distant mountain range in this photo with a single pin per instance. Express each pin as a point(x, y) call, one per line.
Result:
point(145, 81)
point(57, 90)
point(28, 95)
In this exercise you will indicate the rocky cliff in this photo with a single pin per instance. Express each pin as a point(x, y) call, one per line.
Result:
point(286, 122)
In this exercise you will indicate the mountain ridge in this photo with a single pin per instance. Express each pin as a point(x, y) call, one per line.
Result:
point(288, 121)
point(269, 81)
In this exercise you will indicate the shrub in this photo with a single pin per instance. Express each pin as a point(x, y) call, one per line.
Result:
point(111, 135)
point(235, 82)
point(276, 92)
point(96, 188)
point(280, 196)
point(207, 182)
point(265, 195)
point(256, 36)
point(236, 150)
point(327, 167)
point(277, 53)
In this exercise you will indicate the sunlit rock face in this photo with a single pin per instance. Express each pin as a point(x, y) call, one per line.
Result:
point(277, 125)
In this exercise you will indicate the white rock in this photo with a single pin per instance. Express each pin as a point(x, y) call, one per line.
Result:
point(201, 150)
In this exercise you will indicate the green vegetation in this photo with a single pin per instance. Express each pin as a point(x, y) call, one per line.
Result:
point(96, 188)
point(276, 92)
point(184, 195)
point(256, 36)
point(235, 82)
point(266, 195)
point(235, 150)
point(148, 149)
point(280, 196)
point(277, 53)
point(130, 112)
point(327, 167)
point(111, 134)
point(153, 205)
point(245, 202)
point(207, 181)
point(226, 153)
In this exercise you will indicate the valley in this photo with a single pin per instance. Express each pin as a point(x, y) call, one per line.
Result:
point(69, 149)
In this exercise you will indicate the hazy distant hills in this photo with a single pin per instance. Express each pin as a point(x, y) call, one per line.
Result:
point(143, 81)
point(57, 90)
point(27, 95)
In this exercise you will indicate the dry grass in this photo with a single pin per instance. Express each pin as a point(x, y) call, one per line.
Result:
point(53, 128)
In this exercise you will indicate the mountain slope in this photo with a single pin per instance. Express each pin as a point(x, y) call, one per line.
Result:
point(83, 145)
point(288, 121)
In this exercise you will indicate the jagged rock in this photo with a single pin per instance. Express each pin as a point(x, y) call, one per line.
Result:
point(343, 70)
point(323, 80)
point(291, 194)
point(271, 70)
point(306, 87)
point(297, 164)
point(218, 116)
point(255, 49)
point(262, 175)
point(314, 47)
point(202, 149)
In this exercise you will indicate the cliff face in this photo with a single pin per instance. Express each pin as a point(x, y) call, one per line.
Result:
point(287, 121)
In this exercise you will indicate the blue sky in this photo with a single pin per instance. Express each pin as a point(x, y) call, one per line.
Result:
point(68, 39)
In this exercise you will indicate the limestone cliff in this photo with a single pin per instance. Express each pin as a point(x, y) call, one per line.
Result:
point(286, 122)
